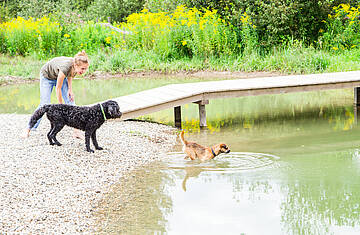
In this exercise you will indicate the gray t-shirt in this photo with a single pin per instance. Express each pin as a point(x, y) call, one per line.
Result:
point(64, 64)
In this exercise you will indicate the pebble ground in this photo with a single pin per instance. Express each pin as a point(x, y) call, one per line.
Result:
point(55, 189)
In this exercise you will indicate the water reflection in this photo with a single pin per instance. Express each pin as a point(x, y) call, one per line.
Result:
point(138, 204)
point(324, 192)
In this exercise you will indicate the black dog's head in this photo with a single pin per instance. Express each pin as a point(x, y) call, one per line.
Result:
point(111, 109)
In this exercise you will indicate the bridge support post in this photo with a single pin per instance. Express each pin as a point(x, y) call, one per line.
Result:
point(202, 115)
point(202, 112)
point(177, 116)
point(356, 114)
point(357, 96)
point(356, 104)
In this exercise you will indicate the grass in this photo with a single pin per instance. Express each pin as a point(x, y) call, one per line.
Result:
point(18, 66)
point(294, 60)
point(291, 60)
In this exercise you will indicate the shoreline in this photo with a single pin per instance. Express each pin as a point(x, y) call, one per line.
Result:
point(52, 189)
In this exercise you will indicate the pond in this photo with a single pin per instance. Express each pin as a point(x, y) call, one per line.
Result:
point(294, 166)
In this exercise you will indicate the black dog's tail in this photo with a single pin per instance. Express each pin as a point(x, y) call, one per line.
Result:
point(37, 115)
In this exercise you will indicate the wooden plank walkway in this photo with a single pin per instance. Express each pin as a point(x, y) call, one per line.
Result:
point(175, 95)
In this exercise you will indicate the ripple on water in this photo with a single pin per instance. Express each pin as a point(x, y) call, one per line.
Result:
point(234, 161)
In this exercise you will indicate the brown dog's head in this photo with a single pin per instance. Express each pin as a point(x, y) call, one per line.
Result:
point(224, 148)
point(111, 109)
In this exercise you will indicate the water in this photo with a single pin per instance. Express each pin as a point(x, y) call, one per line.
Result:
point(294, 166)
point(25, 98)
point(280, 182)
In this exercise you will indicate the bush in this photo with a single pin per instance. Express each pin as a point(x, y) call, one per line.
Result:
point(46, 37)
point(182, 33)
point(115, 10)
point(342, 29)
point(4, 13)
point(35, 8)
point(22, 36)
point(276, 21)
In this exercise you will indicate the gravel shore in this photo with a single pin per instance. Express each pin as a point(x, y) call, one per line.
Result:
point(52, 189)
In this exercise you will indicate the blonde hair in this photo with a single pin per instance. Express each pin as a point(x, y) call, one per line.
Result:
point(81, 58)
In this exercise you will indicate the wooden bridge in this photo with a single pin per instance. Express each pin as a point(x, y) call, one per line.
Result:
point(175, 95)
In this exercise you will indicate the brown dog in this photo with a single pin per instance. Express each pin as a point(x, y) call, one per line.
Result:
point(197, 151)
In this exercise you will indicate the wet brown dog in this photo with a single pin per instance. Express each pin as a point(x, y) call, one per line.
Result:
point(197, 151)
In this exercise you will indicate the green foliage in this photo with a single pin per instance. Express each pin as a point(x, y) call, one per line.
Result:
point(265, 35)
point(35, 8)
point(181, 33)
point(342, 29)
point(280, 21)
point(276, 21)
point(81, 5)
point(296, 58)
point(4, 12)
point(46, 37)
point(115, 10)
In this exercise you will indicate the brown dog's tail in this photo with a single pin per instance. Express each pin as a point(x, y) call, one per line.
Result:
point(182, 137)
point(184, 182)
point(37, 115)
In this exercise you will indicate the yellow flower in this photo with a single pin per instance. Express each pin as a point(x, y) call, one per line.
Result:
point(108, 40)
point(335, 48)
point(183, 42)
point(346, 7)
point(66, 35)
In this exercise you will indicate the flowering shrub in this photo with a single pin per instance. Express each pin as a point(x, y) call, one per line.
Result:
point(343, 27)
point(20, 36)
point(46, 37)
point(183, 32)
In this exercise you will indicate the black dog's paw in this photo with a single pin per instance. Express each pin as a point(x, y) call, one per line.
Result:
point(58, 144)
point(99, 148)
point(90, 150)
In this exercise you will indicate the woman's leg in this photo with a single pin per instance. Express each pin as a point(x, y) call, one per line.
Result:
point(46, 87)
point(64, 93)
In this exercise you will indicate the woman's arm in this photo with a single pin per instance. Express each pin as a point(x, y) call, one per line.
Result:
point(59, 83)
point(70, 91)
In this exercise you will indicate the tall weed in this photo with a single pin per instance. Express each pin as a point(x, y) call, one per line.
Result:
point(182, 33)
point(47, 37)
point(343, 27)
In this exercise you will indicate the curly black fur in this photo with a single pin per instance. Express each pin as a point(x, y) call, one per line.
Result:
point(88, 119)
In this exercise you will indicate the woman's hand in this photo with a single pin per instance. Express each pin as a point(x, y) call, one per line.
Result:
point(71, 95)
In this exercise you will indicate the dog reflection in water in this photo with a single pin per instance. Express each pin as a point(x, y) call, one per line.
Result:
point(197, 151)
point(191, 172)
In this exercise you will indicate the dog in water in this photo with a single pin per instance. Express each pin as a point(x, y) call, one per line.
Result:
point(88, 119)
point(197, 151)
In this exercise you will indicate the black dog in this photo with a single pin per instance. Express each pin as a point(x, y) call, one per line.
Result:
point(88, 119)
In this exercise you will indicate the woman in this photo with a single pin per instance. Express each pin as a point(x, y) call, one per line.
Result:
point(59, 73)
